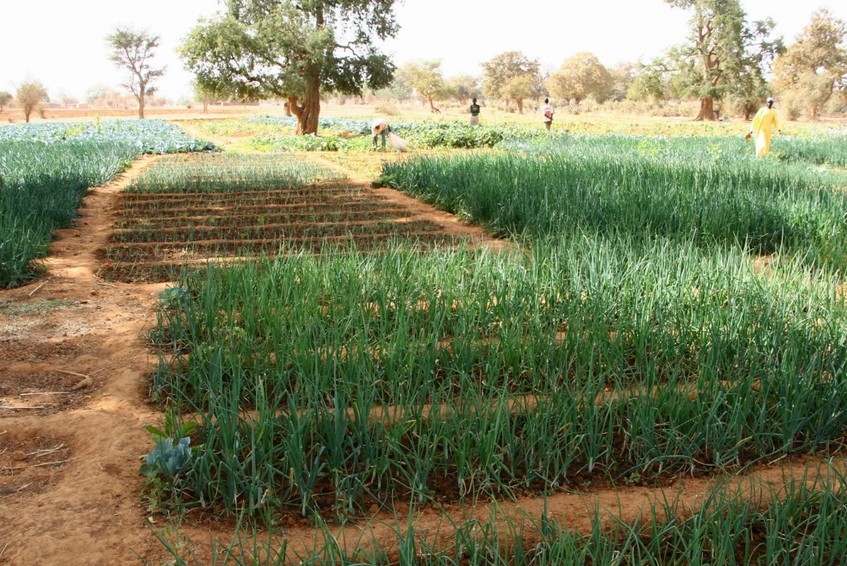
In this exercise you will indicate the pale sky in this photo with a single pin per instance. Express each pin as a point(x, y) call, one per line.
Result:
point(61, 43)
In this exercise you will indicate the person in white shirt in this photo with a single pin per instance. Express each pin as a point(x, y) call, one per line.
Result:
point(380, 127)
point(547, 112)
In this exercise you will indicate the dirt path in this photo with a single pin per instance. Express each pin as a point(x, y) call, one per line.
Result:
point(73, 359)
point(73, 400)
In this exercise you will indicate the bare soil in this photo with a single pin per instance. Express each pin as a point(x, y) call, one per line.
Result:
point(74, 385)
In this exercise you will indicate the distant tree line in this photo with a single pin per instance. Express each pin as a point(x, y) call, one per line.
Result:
point(302, 52)
point(726, 61)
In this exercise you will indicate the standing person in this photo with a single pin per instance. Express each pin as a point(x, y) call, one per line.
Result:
point(764, 123)
point(547, 112)
point(380, 127)
point(474, 113)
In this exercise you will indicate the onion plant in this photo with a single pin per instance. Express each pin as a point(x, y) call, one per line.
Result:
point(224, 172)
point(640, 188)
point(330, 382)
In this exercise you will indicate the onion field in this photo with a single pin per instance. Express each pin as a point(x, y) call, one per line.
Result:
point(187, 211)
point(330, 354)
point(628, 337)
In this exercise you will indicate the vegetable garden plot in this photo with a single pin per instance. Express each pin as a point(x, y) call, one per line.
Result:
point(228, 207)
point(199, 250)
point(315, 345)
point(213, 173)
point(46, 170)
point(247, 230)
point(641, 189)
point(214, 216)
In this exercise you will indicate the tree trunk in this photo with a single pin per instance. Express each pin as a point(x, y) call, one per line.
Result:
point(141, 106)
point(707, 110)
point(308, 113)
point(432, 107)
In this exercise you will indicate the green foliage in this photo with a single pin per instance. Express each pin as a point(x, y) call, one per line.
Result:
point(802, 521)
point(133, 51)
point(646, 187)
point(509, 347)
point(226, 172)
point(168, 459)
point(262, 49)
point(814, 67)
point(423, 135)
point(463, 87)
point(172, 428)
point(300, 143)
point(503, 68)
point(724, 54)
point(451, 135)
point(29, 96)
point(425, 77)
point(579, 77)
point(47, 169)
point(170, 298)
point(44, 185)
point(651, 81)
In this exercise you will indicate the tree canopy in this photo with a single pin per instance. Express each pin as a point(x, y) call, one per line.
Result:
point(500, 74)
point(463, 87)
point(29, 96)
point(815, 66)
point(579, 77)
point(722, 48)
point(133, 50)
point(651, 81)
point(427, 80)
point(295, 50)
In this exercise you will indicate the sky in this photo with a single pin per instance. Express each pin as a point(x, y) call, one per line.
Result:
point(62, 44)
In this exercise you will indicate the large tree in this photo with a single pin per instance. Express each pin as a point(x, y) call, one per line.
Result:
point(29, 96)
point(427, 80)
point(463, 87)
point(718, 52)
point(579, 77)
point(750, 86)
point(500, 73)
point(294, 49)
point(651, 81)
point(133, 50)
point(5, 98)
point(815, 66)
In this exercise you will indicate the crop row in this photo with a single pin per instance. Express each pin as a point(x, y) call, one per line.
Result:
point(312, 240)
point(801, 522)
point(43, 186)
point(263, 215)
point(45, 170)
point(211, 173)
point(159, 263)
point(607, 186)
point(264, 231)
point(295, 199)
point(316, 345)
point(145, 136)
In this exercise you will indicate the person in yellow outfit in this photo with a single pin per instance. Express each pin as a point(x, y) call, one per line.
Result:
point(764, 124)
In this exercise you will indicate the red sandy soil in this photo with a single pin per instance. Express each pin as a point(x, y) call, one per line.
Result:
point(74, 374)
